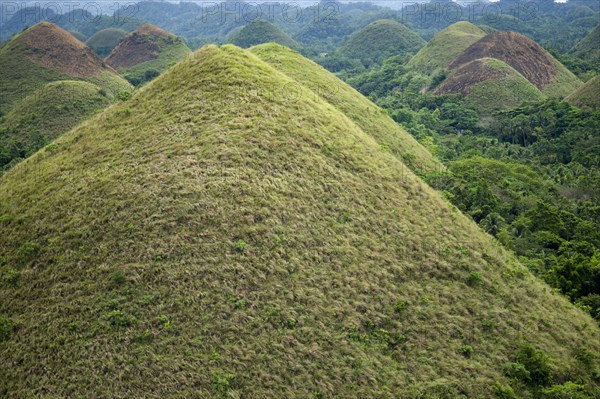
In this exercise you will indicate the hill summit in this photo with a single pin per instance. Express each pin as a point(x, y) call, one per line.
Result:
point(104, 41)
point(258, 32)
point(525, 56)
point(381, 39)
point(220, 236)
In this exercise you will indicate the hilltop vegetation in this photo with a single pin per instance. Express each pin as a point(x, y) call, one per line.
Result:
point(44, 114)
point(104, 41)
point(235, 236)
point(146, 52)
point(380, 40)
point(46, 53)
point(258, 32)
point(445, 46)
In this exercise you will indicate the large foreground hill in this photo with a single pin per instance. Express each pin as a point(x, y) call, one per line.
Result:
point(215, 236)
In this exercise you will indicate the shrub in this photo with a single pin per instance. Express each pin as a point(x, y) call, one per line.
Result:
point(537, 364)
point(517, 371)
point(119, 319)
point(221, 382)
point(466, 350)
point(124, 95)
point(474, 278)
point(5, 328)
point(568, 390)
point(240, 246)
point(118, 277)
point(12, 277)
point(504, 392)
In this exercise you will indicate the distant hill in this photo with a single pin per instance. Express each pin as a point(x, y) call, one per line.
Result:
point(490, 85)
point(588, 95)
point(445, 46)
point(146, 52)
point(212, 237)
point(46, 53)
point(380, 40)
point(46, 113)
point(258, 32)
point(104, 41)
point(527, 57)
point(370, 118)
point(589, 47)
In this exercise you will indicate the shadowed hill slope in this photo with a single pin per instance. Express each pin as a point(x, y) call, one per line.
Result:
point(45, 53)
point(241, 244)
point(445, 46)
point(587, 96)
point(589, 47)
point(104, 41)
point(146, 52)
point(380, 40)
point(490, 85)
point(371, 119)
point(527, 57)
point(258, 32)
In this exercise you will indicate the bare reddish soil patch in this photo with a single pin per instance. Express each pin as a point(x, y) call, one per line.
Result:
point(137, 47)
point(469, 75)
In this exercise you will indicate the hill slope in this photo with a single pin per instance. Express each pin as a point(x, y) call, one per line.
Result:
point(46, 113)
point(258, 32)
point(589, 48)
point(46, 53)
point(445, 46)
point(587, 96)
point(104, 41)
point(527, 57)
point(238, 244)
point(380, 40)
point(369, 117)
point(490, 85)
point(146, 52)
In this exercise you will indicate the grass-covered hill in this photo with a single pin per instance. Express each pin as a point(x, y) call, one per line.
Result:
point(588, 95)
point(104, 41)
point(380, 40)
point(258, 32)
point(46, 53)
point(589, 47)
point(527, 57)
point(445, 46)
point(490, 85)
point(46, 113)
point(369, 117)
point(146, 52)
point(244, 243)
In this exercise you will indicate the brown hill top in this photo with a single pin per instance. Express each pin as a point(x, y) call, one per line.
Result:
point(139, 46)
point(516, 50)
point(51, 46)
point(471, 74)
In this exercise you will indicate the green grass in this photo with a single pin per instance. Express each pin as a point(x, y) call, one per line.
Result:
point(445, 46)
point(258, 32)
point(587, 96)
point(104, 41)
point(563, 84)
point(19, 76)
point(265, 247)
point(380, 40)
point(46, 113)
point(368, 116)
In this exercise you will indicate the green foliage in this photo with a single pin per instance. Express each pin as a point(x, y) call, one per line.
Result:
point(6, 327)
point(504, 392)
point(568, 390)
point(537, 365)
point(104, 41)
point(466, 351)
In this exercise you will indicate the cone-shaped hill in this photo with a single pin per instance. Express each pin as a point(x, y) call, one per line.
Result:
point(589, 47)
point(258, 32)
point(588, 95)
point(490, 85)
point(104, 41)
point(445, 46)
point(146, 52)
point(381, 39)
point(527, 57)
point(369, 117)
point(219, 235)
point(46, 53)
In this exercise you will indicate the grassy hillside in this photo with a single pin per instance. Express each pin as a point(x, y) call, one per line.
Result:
point(240, 243)
point(490, 85)
point(527, 57)
point(46, 53)
point(380, 40)
point(258, 32)
point(589, 48)
point(44, 114)
point(104, 41)
point(445, 46)
point(146, 52)
point(587, 96)
point(369, 117)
